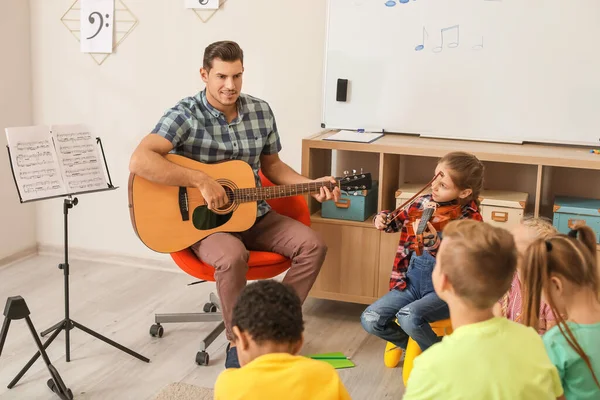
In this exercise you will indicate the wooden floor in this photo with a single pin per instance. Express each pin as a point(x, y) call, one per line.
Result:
point(119, 302)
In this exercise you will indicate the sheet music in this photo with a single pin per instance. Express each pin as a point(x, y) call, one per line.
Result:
point(353, 136)
point(35, 166)
point(80, 158)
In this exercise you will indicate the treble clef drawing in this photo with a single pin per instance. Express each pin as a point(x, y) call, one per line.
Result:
point(93, 20)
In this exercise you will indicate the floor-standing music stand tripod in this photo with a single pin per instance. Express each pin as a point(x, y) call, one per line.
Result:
point(16, 309)
point(67, 323)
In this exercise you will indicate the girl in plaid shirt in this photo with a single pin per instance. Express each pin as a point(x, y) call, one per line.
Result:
point(411, 299)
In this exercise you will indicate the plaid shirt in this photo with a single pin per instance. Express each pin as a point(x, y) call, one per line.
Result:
point(403, 253)
point(199, 131)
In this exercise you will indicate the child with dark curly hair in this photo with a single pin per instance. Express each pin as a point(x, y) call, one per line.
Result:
point(268, 328)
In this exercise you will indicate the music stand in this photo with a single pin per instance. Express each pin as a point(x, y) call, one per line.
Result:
point(67, 323)
point(15, 309)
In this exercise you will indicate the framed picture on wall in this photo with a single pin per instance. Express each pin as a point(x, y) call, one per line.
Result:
point(202, 4)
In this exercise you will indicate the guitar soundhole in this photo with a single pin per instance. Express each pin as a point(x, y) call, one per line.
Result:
point(204, 219)
point(229, 192)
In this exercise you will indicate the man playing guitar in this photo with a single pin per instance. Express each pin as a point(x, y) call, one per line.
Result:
point(220, 123)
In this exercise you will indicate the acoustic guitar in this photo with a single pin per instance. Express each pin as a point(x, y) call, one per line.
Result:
point(171, 218)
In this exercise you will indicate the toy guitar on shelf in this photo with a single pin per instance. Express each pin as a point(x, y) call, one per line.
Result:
point(172, 218)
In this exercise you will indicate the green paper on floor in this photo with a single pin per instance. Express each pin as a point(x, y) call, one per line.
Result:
point(336, 360)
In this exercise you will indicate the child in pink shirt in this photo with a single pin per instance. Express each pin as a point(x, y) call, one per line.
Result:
point(511, 304)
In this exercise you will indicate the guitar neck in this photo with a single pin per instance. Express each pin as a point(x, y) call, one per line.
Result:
point(274, 192)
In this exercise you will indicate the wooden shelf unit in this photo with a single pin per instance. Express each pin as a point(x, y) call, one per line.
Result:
point(360, 258)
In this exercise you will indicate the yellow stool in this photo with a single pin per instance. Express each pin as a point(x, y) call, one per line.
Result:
point(441, 328)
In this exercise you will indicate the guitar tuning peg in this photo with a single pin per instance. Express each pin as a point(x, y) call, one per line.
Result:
point(345, 173)
point(353, 172)
point(361, 171)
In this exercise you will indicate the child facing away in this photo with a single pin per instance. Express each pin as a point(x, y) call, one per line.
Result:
point(411, 299)
point(511, 304)
point(486, 357)
point(563, 270)
point(268, 328)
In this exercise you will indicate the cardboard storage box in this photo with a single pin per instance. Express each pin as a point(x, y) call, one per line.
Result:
point(503, 208)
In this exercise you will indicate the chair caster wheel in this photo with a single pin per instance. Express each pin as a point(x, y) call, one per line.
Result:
point(210, 307)
point(156, 330)
point(202, 358)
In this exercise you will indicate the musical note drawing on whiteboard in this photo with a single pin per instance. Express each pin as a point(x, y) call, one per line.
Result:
point(97, 26)
point(422, 45)
point(450, 31)
point(202, 4)
point(479, 46)
point(392, 3)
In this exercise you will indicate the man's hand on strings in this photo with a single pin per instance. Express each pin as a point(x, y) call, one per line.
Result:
point(326, 194)
point(213, 193)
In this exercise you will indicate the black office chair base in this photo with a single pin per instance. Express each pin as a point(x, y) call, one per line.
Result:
point(212, 313)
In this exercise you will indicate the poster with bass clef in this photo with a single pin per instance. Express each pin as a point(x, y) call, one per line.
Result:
point(202, 4)
point(97, 26)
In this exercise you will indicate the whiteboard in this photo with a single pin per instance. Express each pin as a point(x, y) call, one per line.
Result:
point(492, 70)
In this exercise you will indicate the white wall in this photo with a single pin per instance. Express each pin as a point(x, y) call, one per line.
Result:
point(18, 220)
point(152, 69)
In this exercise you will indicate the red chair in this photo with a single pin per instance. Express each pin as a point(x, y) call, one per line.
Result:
point(262, 265)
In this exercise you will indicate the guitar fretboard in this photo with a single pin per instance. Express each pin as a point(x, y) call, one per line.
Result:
point(273, 192)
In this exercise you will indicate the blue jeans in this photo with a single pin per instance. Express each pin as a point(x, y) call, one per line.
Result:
point(415, 307)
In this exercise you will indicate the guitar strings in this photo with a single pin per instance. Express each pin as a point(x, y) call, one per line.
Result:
point(254, 194)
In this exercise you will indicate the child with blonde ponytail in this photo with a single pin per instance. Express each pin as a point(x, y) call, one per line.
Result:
point(563, 270)
point(511, 304)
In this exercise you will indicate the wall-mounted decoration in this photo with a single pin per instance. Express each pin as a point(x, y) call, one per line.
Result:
point(202, 4)
point(206, 14)
point(97, 26)
point(123, 22)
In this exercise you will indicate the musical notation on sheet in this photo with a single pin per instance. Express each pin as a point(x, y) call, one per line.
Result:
point(38, 173)
point(42, 186)
point(55, 161)
point(36, 168)
point(65, 137)
point(33, 145)
point(87, 183)
point(79, 157)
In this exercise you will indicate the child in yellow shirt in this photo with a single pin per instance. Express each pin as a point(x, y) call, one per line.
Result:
point(268, 328)
point(486, 357)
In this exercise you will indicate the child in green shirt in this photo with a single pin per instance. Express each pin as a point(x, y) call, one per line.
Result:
point(563, 271)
